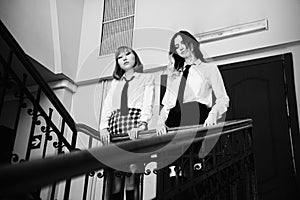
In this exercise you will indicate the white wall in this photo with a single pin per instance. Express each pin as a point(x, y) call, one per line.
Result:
point(64, 35)
point(156, 21)
point(202, 16)
point(30, 23)
point(48, 31)
point(69, 14)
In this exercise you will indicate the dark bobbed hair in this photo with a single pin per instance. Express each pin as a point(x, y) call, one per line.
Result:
point(138, 66)
point(189, 40)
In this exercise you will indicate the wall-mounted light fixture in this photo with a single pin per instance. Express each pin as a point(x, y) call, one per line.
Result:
point(232, 31)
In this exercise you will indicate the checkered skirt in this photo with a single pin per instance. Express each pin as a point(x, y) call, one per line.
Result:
point(119, 125)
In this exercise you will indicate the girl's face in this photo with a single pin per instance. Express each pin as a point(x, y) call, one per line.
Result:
point(181, 48)
point(126, 60)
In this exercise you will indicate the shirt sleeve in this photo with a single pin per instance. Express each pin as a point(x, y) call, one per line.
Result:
point(107, 107)
point(148, 98)
point(163, 116)
point(222, 99)
point(169, 99)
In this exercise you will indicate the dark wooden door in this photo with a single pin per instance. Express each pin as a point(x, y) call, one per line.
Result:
point(257, 90)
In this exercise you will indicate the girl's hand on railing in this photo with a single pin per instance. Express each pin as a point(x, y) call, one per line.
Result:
point(104, 136)
point(161, 129)
point(211, 120)
point(133, 133)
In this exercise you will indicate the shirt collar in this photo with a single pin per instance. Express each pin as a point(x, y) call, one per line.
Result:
point(135, 74)
point(197, 62)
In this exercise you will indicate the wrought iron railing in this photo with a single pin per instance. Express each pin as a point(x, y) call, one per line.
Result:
point(218, 167)
point(226, 172)
point(25, 96)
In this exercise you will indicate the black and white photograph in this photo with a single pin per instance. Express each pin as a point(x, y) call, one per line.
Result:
point(149, 100)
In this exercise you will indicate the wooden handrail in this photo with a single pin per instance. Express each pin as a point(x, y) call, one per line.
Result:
point(29, 175)
point(83, 128)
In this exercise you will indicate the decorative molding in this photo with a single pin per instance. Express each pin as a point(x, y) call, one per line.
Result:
point(59, 84)
point(55, 85)
point(233, 31)
point(63, 84)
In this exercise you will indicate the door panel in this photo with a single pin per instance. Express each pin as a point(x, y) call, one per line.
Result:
point(257, 90)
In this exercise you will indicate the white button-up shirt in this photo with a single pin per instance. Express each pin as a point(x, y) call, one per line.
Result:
point(140, 95)
point(203, 80)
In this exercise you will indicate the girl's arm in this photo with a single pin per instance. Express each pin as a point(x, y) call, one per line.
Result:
point(107, 107)
point(148, 99)
point(147, 107)
point(222, 99)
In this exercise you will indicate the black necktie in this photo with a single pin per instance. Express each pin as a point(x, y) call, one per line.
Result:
point(124, 98)
point(182, 84)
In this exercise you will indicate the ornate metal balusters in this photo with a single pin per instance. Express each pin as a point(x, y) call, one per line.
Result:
point(21, 105)
point(86, 179)
point(59, 144)
point(192, 159)
point(35, 114)
point(47, 130)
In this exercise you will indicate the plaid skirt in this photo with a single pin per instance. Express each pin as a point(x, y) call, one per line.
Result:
point(119, 125)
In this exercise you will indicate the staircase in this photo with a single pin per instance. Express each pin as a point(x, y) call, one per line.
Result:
point(23, 95)
point(30, 110)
